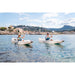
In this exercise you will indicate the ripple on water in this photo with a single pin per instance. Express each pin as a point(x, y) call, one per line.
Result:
point(38, 52)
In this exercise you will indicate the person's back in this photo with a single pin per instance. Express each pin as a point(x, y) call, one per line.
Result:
point(19, 38)
point(48, 37)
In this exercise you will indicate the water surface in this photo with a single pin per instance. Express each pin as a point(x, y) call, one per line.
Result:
point(38, 52)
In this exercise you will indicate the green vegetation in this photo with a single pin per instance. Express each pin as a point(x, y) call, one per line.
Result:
point(3, 28)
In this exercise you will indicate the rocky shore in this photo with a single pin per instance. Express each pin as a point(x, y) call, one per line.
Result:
point(14, 31)
point(35, 33)
point(7, 33)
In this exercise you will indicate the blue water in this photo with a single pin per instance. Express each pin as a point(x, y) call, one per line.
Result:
point(37, 52)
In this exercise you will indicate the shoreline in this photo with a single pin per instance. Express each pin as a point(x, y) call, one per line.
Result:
point(37, 33)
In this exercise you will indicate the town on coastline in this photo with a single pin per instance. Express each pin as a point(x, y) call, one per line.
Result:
point(31, 30)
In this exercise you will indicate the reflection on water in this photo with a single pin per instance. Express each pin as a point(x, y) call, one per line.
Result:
point(49, 45)
point(37, 52)
point(25, 46)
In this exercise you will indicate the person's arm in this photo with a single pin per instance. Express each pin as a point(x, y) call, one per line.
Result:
point(17, 38)
point(45, 37)
point(51, 36)
point(23, 37)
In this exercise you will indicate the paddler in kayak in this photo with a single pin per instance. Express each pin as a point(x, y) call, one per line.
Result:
point(20, 31)
point(48, 37)
point(20, 38)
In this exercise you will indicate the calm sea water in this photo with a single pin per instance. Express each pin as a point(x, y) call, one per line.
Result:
point(38, 52)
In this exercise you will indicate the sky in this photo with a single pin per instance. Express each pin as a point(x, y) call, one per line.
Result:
point(48, 20)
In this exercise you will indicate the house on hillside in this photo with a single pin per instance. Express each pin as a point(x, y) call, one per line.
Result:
point(10, 28)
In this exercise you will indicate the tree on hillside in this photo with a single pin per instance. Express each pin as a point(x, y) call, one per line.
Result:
point(3, 28)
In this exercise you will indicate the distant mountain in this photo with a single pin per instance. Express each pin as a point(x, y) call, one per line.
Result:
point(67, 27)
point(64, 28)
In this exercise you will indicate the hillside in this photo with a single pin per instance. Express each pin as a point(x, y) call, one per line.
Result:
point(32, 28)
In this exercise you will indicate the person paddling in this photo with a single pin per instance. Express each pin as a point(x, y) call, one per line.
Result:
point(20, 38)
point(48, 37)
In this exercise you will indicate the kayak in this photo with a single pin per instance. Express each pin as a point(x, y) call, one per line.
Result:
point(15, 40)
point(50, 42)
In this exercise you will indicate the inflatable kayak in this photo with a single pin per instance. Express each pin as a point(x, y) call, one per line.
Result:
point(14, 40)
point(50, 42)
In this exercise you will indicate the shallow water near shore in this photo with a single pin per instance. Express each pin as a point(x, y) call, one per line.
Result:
point(37, 52)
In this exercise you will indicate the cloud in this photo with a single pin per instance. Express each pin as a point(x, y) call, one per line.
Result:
point(49, 20)
point(23, 14)
point(49, 15)
point(34, 20)
point(23, 18)
point(66, 13)
point(28, 19)
point(70, 21)
point(35, 25)
point(45, 20)
point(52, 23)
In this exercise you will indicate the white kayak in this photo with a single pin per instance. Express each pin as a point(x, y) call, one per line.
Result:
point(15, 40)
point(50, 42)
